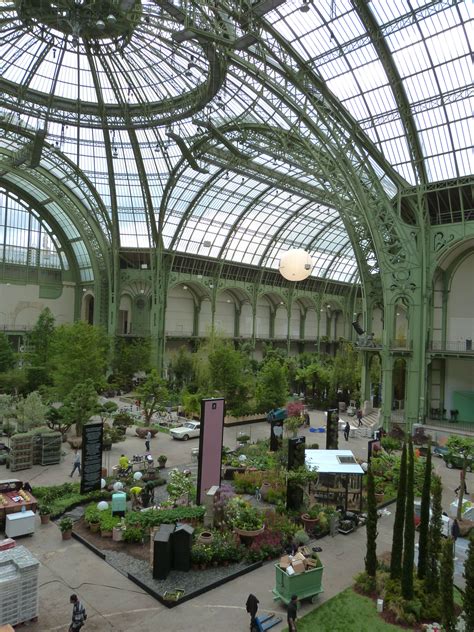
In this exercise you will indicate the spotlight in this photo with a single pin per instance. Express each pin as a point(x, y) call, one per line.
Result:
point(100, 25)
point(358, 329)
point(111, 19)
point(304, 8)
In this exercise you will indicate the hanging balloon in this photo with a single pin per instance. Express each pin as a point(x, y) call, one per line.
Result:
point(137, 476)
point(295, 265)
point(118, 486)
point(103, 505)
point(102, 483)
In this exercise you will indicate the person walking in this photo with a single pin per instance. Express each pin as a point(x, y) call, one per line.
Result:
point(147, 441)
point(359, 417)
point(79, 615)
point(291, 613)
point(252, 607)
point(462, 483)
point(76, 463)
point(347, 430)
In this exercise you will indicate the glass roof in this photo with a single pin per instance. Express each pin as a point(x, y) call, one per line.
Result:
point(125, 98)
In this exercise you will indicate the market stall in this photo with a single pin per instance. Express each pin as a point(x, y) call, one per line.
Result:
point(13, 499)
point(339, 478)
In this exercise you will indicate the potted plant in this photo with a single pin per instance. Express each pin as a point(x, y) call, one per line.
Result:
point(45, 513)
point(310, 518)
point(107, 524)
point(162, 460)
point(246, 521)
point(379, 493)
point(345, 526)
point(65, 526)
point(205, 537)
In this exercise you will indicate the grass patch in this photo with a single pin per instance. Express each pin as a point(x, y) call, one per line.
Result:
point(346, 611)
point(61, 498)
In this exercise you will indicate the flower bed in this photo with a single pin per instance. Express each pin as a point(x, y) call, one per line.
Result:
point(61, 498)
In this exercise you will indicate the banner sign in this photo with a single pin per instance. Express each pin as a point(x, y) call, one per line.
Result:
point(92, 435)
point(210, 446)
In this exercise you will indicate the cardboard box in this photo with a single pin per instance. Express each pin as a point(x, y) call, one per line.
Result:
point(290, 570)
point(285, 562)
point(298, 567)
point(310, 563)
point(298, 557)
point(305, 550)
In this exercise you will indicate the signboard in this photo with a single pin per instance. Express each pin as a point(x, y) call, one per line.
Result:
point(91, 456)
point(210, 446)
point(373, 447)
point(276, 434)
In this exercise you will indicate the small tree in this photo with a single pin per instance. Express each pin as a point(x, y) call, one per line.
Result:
point(30, 411)
point(371, 556)
point(465, 447)
point(80, 405)
point(7, 355)
point(182, 368)
point(435, 537)
point(425, 518)
point(272, 386)
point(55, 421)
point(153, 394)
point(409, 529)
point(397, 538)
point(448, 618)
point(40, 339)
point(468, 597)
point(106, 410)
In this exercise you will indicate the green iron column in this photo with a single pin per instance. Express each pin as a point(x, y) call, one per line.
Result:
point(160, 276)
point(387, 363)
point(196, 317)
point(237, 313)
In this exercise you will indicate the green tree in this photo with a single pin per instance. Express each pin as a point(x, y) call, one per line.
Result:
point(371, 526)
point(468, 597)
point(182, 368)
point(79, 350)
point(130, 357)
point(409, 529)
point(272, 386)
point(7, 409)
point(153, 395)
point(230, 376)
point(346, 372)
point(14, 381)
point(55, 421)
point(446, 582)
point(7, 355)
point(106, 410)
point(397, 537)
point(30, 411)
point(463, 446)
point(80, 405)
point(41, 338)
point(435, 537)
point(423, 540)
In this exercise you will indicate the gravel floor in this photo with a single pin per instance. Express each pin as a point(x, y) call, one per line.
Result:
point(189, 582)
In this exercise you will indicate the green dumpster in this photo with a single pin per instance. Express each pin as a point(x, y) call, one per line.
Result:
point(305, 585)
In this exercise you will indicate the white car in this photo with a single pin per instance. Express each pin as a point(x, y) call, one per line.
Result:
point(446, 523)
point(186, 431)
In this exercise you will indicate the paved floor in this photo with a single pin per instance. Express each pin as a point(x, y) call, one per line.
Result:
point(116, 604)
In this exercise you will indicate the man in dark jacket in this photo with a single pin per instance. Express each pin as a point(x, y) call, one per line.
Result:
point(252, 607)
point(291, 613)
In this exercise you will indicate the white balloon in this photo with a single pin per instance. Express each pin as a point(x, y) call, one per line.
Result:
point(242, 458)
point(102, 483)
point(118, 486)
point(137, 476)
point(296, 264)
point(102, 505)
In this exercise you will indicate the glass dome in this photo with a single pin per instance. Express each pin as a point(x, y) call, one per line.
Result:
point(232, 130)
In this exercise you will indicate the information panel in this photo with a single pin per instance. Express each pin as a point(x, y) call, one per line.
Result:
point(91, 456)
point(210, 446)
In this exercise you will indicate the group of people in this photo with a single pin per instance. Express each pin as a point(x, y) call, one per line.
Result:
point(291, 613)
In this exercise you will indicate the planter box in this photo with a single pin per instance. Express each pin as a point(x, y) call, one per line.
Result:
point(306, 585)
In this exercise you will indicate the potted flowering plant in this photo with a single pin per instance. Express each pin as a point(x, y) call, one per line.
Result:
point(45, 513)
point(243, 518)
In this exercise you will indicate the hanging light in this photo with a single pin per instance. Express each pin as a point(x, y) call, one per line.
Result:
point(295, 265)
point(111, 19)
point(304, 8)
point(100, 25)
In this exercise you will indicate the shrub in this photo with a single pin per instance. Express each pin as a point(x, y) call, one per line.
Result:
point(133, 534)
point(92, 514)
point(301, 537)
point(107, 521)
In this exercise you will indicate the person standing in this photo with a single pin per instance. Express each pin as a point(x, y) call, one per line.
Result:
point(347, 430)
point(462, 483)
point(252, 607)
point(79, 615)
point(291, 613)
point(76, 463)
point(147, 441)
point(359, 417)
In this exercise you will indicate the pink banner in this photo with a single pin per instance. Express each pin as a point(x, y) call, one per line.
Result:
point(210, 446)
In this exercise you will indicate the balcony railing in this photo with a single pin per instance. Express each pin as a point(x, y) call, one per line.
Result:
point(458, 346)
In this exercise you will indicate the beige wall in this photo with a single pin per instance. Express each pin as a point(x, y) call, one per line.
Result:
point(20, 305)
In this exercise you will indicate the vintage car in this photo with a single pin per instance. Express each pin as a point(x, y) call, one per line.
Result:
point(186, 431)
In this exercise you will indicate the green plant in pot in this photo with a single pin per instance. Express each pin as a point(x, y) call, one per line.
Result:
point(162, 460)
point(243, 518)
point(45, 513)
point(65, 525)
